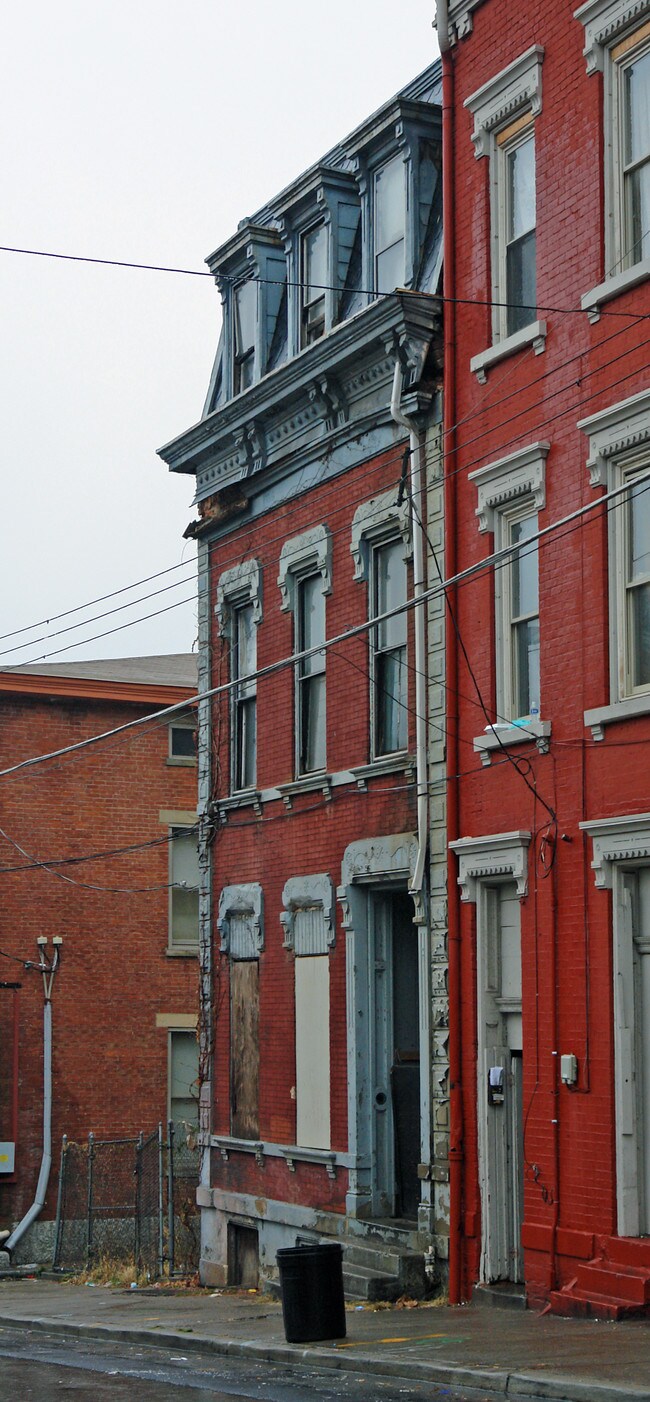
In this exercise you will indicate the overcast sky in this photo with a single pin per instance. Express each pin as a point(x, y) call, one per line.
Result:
point(143, 130)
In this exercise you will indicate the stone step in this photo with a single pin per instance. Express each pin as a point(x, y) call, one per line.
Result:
point(363, 1283)
point(499, 1295)
point(387, 1259)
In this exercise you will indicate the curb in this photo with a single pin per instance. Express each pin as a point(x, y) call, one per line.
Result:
point(497, 1383)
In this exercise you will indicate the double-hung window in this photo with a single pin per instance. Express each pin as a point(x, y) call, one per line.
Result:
point(617, 43)
point(309, 606)
point(184, 889)
point(390, 225)
point(313, 280)
point(633, 530)
point(504, 111)
point(631, 96)
point(244, 329)
point(183, 1073)
point(619, 461)
point(388, 651)
point(517, 596)
point(517, 238)
point(244, 696)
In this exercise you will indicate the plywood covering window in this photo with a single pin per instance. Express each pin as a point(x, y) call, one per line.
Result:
point(244, 1048)
point(313, 1051)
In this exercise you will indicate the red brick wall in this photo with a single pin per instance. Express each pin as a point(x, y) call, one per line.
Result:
point(528, 398)
point(313, 835)
point(109, 1058)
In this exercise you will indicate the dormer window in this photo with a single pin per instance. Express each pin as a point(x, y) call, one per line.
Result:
point(390, 226)
point(244, 328)
point(313, 280)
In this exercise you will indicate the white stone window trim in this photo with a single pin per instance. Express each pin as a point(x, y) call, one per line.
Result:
point(617, 436)
point(309, 553)
point(514, 90)
point(520, 474)
point(304, 893)
point(500, 856)
point(517, 479)
point(237, 587)
point(375, 520)
point(605, 23)
point(503, 736)
point(244, 899)
point(533, 335)
point(622, 839)
point(614, 286)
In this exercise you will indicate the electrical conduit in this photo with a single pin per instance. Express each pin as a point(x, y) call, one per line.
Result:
point(46, 1160)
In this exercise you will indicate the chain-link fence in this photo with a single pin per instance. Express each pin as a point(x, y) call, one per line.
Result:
point(128, 1201)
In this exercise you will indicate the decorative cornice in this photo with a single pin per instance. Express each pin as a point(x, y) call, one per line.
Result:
point(307, 893)
point(625, 839)
point(517, 475)
point(460, 18)
point(604, 21)
point(614, 432)
point(332, 390)
point(246, 900)
point(310, 551)
point(242, 584)
point(372, 519)
point(517, 88)
point(503, 854)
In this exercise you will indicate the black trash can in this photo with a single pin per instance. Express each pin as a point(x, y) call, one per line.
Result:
point(311, 1280)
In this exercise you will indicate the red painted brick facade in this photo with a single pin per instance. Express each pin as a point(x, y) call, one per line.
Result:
point(115, 977)
point(566, 923)
point(310, 837)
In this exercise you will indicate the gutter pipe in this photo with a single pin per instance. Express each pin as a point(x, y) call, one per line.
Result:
point(416, 483)
point(451, 649)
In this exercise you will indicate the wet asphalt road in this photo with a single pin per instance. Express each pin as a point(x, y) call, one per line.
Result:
point(36, 1367)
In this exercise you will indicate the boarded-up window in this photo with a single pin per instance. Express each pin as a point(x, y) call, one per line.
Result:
point(313, 1051)
point(244, 1048)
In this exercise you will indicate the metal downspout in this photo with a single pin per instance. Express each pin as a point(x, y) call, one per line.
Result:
point(416, 483)
point(451, 648)
point(46, 1160)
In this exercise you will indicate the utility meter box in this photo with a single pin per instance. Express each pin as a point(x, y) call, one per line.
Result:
point(7, 1156)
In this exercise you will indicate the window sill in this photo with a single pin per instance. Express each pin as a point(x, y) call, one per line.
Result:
point(247, 798)
point(628, 709)
point(291, 1153)
point(388, 764)
point(613, 287)
point(533, 335)
point(500, 737)
point(180, 762)
point(308, 783)
point(182, 951)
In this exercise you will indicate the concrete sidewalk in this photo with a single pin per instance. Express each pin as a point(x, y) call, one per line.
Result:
point(481, 1352)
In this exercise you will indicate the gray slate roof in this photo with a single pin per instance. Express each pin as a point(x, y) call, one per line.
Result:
point(175, 669)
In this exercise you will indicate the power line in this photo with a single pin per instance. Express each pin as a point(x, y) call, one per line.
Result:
point(494, 560)
point(298, 283)
point(487, 432)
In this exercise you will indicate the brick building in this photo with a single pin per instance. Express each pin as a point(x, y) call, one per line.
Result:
point(125, 994)
point(320, 428)
point(547, 260)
